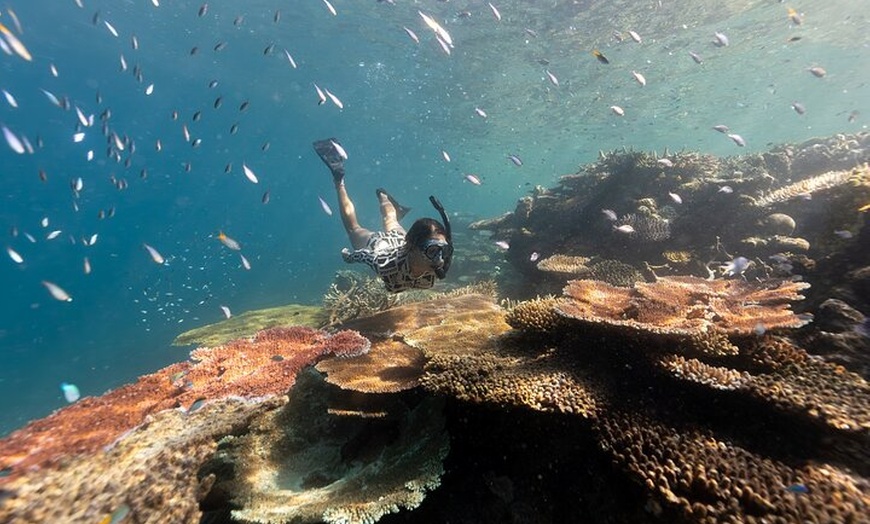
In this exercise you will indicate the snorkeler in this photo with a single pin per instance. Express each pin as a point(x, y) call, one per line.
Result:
point(402, 260)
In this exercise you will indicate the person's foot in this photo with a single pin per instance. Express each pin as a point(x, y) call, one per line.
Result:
point(330, 155)
point(401, 210)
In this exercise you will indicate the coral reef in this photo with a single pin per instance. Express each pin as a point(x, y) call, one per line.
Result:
point(565, 265)
point(249, 322)
point(389, 367)
point(304, 464)
point(704, 210)
point(697, 432)
point(686, 304)
point(806, 188)
point(153, 470)
point(538, 314)
point(354, 295)
point(163, 407)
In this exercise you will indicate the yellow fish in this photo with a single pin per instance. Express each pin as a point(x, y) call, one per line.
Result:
point(864, 208)
point(229, 242)
point(15, 43)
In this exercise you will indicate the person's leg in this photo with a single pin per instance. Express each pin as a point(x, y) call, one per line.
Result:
point(388, 212)
point(329, 153)
point(357, 234)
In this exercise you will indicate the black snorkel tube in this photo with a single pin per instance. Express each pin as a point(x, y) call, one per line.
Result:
point(442, 271)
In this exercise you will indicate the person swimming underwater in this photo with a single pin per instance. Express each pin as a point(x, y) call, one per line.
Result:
point(403, 260)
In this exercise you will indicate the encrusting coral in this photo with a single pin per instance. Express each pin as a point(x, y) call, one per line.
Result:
point(186, 405)
point(249, 322)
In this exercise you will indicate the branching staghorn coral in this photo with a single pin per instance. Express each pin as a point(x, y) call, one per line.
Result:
point(809, 186)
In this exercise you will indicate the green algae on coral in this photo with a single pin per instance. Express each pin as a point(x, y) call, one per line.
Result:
point(250, 322)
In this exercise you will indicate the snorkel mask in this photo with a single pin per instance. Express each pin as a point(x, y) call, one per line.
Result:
point(444, 251)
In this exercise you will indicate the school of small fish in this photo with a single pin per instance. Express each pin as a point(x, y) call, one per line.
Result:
point(83, 118)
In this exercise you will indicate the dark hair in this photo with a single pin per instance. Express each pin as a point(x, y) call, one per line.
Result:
point(422, 230)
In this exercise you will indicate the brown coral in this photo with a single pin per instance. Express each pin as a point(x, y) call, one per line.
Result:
point(389, 367)
point(701, 478)
point(686, 305)
point(304, 464)
point(565, 265)
point(538, 314)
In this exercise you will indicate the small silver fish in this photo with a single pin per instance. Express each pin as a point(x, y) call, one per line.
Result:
point(534, 256)
point(552, 77)
point(676, 198)
point(696, 57)
point(817, 72)
point(639, 77)
point(843, 233)
point(665, 162)
point(480, 112)
point(736, 267)
point(798, 107)
point(412, 35)
point(618, 111)
point(495, 12)
point(245, 263)
point(324, 206)
point(473, 179)
point(338, 149)
point(726, 190)
point(290, 59)
point(721, 128)
point(18, 259)
point(502, 244)
point(111, 28)
point(625, 229)
point(737, 139)
point(516, 160)
point(321, 97)
point(13, 141)
point(634, 36)
point(227, 313)
point(609, 214)
point(334, 99)
point(721, 40)
point(57, 292)
point(155, 255)
point(10, 99)
point(445, 155)
point(249, 174)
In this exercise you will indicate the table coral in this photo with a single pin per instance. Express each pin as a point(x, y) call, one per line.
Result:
point(303, 464)
point(389, 367)
point(725, 437)
point(686, 305)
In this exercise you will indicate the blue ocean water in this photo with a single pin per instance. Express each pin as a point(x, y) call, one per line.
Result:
point(404, 103)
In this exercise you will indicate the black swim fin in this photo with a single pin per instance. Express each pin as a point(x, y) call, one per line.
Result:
point(401, 210)
point(327, 149)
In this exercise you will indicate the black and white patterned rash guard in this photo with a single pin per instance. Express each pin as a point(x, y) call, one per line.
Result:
point(387, 254)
